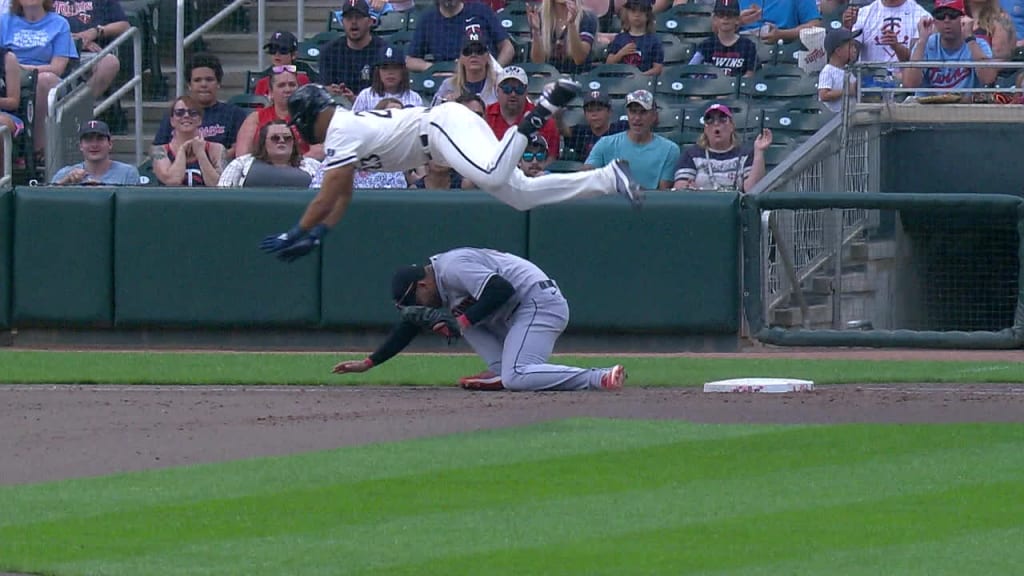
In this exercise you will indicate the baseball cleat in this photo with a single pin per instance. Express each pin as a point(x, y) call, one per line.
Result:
point(625, 184)
point(562, 93)
point(614, 378)
point(485, 380)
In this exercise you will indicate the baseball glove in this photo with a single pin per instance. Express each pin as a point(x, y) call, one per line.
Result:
point(439, 320)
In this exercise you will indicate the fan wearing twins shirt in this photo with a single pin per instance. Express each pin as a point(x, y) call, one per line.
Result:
point(441, 33)
point(346, 63)
point(888, 28)
point(726, 49)
point(948, 37)
point(597, 110)
point(637, 44)
point(449, 134)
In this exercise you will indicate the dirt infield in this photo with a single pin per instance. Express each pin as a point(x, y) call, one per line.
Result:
point(58, 432)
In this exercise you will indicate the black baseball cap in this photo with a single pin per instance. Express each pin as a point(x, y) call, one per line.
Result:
point(282, 39)
point(403, 291)
point(727, 8)
point(359, 6)
point(597, 97)
point(836, 37)
point(94, 127)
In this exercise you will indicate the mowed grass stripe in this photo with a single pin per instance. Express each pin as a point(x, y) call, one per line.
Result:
point(562, 500)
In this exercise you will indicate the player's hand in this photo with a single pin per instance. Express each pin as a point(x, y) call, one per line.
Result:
point(352, 366)
point(295, 243)
point(278, 242)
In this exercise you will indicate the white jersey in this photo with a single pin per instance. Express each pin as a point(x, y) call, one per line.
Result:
point(376, 140)
point(464, 272)
point(876, 18)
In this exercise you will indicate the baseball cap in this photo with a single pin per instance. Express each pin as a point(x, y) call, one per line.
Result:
point(641, 97)
point(720, 108)
point(727, 7)
point(836, 37)
point(359, 6)
point(474, 35)
point(390, 55)
point(401, 282)
point(957, 5)
point(639, 5)
point(283, 39)
point(510, 72)
point(94, 127)
point(537, 141)
point(597, 97)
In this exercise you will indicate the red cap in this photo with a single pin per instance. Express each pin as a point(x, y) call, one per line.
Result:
point(720, 108)
point(957, 5)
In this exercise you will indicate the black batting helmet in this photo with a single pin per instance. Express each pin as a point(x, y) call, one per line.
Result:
point(304, 105)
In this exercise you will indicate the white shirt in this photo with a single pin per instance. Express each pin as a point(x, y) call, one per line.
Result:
point(831, 78)
point(876, 18)
point(376, 140)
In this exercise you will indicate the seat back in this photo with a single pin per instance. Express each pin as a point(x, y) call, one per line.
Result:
point(616, 80)
point(249, 101)
point(681, 82)
point(686, 25)
point(759, 86)
point(676, 50)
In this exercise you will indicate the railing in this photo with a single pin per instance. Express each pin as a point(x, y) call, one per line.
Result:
point(183, 41)
point(7, 179)
point(55, 107)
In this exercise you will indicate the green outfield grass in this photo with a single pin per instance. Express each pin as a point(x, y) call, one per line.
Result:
point(309, 369)
point(587, 497)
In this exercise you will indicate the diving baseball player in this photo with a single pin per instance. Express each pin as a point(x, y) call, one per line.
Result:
point(506, 307)
point(451, 134)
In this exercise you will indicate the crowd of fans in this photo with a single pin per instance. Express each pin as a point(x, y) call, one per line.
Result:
point(205, 141)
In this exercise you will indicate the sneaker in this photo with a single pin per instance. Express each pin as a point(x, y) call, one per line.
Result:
point(614, 378)
point(561, 94)
point(625, 184)
point(485, 380)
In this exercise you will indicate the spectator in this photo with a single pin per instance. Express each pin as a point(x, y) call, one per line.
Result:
point(562, 34)
point(41, 40)
point(651, 157)
point(535, 158)
point(994, 25)
point(95, 24)
point(390, 80)
point(221, 121)
point(275, 161)
point(474, 73)
point(717, 161)
point(637, 44)
point(513, 104)
point(725, 48)
point(440, 33)
point(188, 159)
point(285, 83)
point(606, 10)
point(597, 109)
point(346, 62)
point(889, 29)
point(948, 37)
point(782, 20)
point(369, 180)
point(474, 102)
point(10, 95)
point(283, 49)
point(833, 80)
point(98, 169)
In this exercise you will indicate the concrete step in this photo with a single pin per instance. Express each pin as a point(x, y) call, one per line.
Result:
point(855, 310)
point(873, 250)
point(852, 281)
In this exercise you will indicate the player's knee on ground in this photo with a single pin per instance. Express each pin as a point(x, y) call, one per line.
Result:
point(515, 379)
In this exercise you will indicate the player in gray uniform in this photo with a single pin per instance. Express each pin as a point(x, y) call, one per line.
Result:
point(449, 134)
point(506, 307)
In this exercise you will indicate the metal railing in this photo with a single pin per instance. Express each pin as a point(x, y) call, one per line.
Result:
point(183, 41)
point(8, 139)
point(55, 106)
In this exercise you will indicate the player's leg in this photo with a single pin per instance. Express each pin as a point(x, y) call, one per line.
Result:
point(538, 322)
point(488, 345)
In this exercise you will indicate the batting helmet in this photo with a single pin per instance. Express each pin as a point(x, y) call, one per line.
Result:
point(304, 105)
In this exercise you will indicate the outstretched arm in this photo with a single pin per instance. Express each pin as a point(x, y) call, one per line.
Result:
point(331, 203)
point(400, 337)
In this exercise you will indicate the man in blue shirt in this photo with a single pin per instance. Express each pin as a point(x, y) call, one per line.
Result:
point(776, 20)
point(95, 24)
point(98, 169)
point(440, 33)
point(943, 38)
point(652, 158)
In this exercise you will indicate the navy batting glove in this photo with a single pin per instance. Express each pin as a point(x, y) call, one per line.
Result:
point(278, 242)
point(303, 245)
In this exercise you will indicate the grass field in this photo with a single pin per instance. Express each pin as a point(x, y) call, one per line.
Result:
point(579, 496)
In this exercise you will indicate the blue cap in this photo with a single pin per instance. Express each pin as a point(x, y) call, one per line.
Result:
point(390, 55)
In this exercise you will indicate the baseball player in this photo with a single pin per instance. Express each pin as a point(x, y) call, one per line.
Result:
point(449, 134)
point(506, 307)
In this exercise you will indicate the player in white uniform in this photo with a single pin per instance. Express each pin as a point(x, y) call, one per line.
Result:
point(449, 134)
point(507, 308)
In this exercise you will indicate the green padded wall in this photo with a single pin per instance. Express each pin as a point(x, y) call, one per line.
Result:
point(672, 266)
point(6, 223)
point(387, 229)
point(62, 256)
point(191, 258)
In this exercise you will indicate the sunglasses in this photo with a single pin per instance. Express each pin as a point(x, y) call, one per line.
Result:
point(947, 15)
point(286, 68)
point(475, 50)
point(279, 50)
point(538, 156)
point(716, 119)
point(518, 89)
point(183, 112)
point(281, 138)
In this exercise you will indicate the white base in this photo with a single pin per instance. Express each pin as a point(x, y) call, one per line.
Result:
point(761, 385)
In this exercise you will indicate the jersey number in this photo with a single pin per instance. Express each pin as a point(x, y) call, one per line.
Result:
point(377, 113)
point(371, 162)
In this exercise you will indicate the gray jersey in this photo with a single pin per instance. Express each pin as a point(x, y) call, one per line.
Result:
point(464, 272)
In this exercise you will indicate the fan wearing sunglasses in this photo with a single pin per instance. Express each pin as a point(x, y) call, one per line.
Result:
point(284, 82)
point(188, 159)
point(476, 72)
point(276, 161)
point(946, 38)
point(535, 159)
point(513, 105)
point(283, 49)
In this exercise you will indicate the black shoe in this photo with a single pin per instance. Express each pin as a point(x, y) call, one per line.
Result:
point(563, 92)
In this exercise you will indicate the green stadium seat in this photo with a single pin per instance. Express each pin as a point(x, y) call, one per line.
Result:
point(147, 177)
point(249, 101)
point(784, 53)
point(616, 80)
point(681, 82)
point(24, 145)
point(781, 71)
point(677, 51)
point(516, 25)
point(309, 49)
point(795, 122)
point(694, 9)
point(682, 24)
point(670, 118)
point(427, 82)
point(778, 87)
point(391, 23)
point(562, 166)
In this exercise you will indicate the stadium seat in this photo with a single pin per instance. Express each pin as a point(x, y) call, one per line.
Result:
point(391, 23)
point(249, 101)
point(147, 177)
point(427, 82)
point(677, 51)
point(564, 166)
point(694, 9)
point(758, 86)
point(616, 80)
point(24, 145)
point(253, 76)
point(670, 118)
point(681, 82)
point(776, 153)
point(795, 122)
point(783, 53)
point(685, 25)
point(516, 25)
point(401, 40)
point(781, 71)
point(309, 49)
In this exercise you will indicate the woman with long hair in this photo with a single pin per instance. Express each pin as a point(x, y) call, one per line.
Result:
point(563, 33)
point(283, 83)
point(389, 79)
point(717, 161)
point(993, 24)
point(276, 147)
point(188, 159)
point(475, 74)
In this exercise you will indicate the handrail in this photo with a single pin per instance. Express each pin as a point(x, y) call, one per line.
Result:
point(799, 158)
point(8, 177)
point(185, 41)
point(135, 83)
point(300, 14)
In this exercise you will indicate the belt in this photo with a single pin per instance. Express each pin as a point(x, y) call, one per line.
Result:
point(546, 284)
